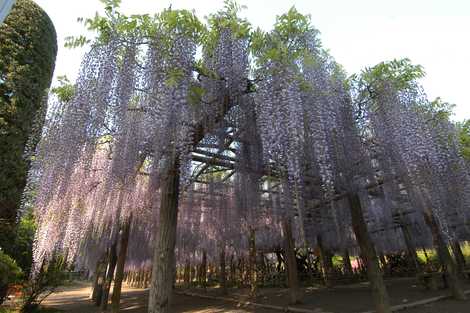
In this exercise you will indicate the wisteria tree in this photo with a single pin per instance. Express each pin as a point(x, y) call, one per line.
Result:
point(182, 141)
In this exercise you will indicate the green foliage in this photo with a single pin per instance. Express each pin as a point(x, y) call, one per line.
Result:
point(441, 109)
point(23, 244)
point(202, 69)
point(289, 42)
point(436, 111)
point(168, 23)
point(10, 274)
point(20, 243)
point(174, 75)
point(181, 22)
point(227, 18)
point(75, 42)
point(65, 90)
point(402, 74)
point(28, 49)
point(195, 94)
point(102, 25)
point(464, 136)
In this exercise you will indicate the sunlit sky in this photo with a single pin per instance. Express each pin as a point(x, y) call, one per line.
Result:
point(358, 33)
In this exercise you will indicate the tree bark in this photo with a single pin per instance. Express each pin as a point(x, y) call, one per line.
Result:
point(121, 260)
point(379, 291)
point(444, 256)
point(291, 263)
point(164, 251)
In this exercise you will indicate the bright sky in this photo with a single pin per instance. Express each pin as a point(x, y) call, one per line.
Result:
point(358, 33)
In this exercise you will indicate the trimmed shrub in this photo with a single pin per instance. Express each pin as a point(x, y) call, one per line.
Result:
point(28, 48)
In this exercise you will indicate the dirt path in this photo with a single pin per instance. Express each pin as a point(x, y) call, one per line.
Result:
point(74, 299)
point(347, 299)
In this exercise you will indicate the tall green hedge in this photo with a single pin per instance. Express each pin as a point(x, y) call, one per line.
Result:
point(28, 48)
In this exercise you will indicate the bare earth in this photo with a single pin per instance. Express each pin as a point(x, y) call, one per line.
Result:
point(344, 299)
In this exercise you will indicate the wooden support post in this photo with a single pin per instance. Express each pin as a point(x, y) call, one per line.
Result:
point(121, 260)
point(295, 293)
point(164, 253)
point(458, 255)
point(203, 270)
point(379, 292)
point(252, 261)
point(97, 284)
point(426, 255)
point(263, 269)
point(444, 256)
point(241, 271)
point(112, 259)
point(148, 277)
point(187, 274)
point(326, 262)
point(383, 261)
point(347, 263)
point(222, 271)
point(411, 248)
point(193, 275)
point(233, 271)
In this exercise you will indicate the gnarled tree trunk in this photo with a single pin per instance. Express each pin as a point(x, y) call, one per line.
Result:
point(164, 252)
